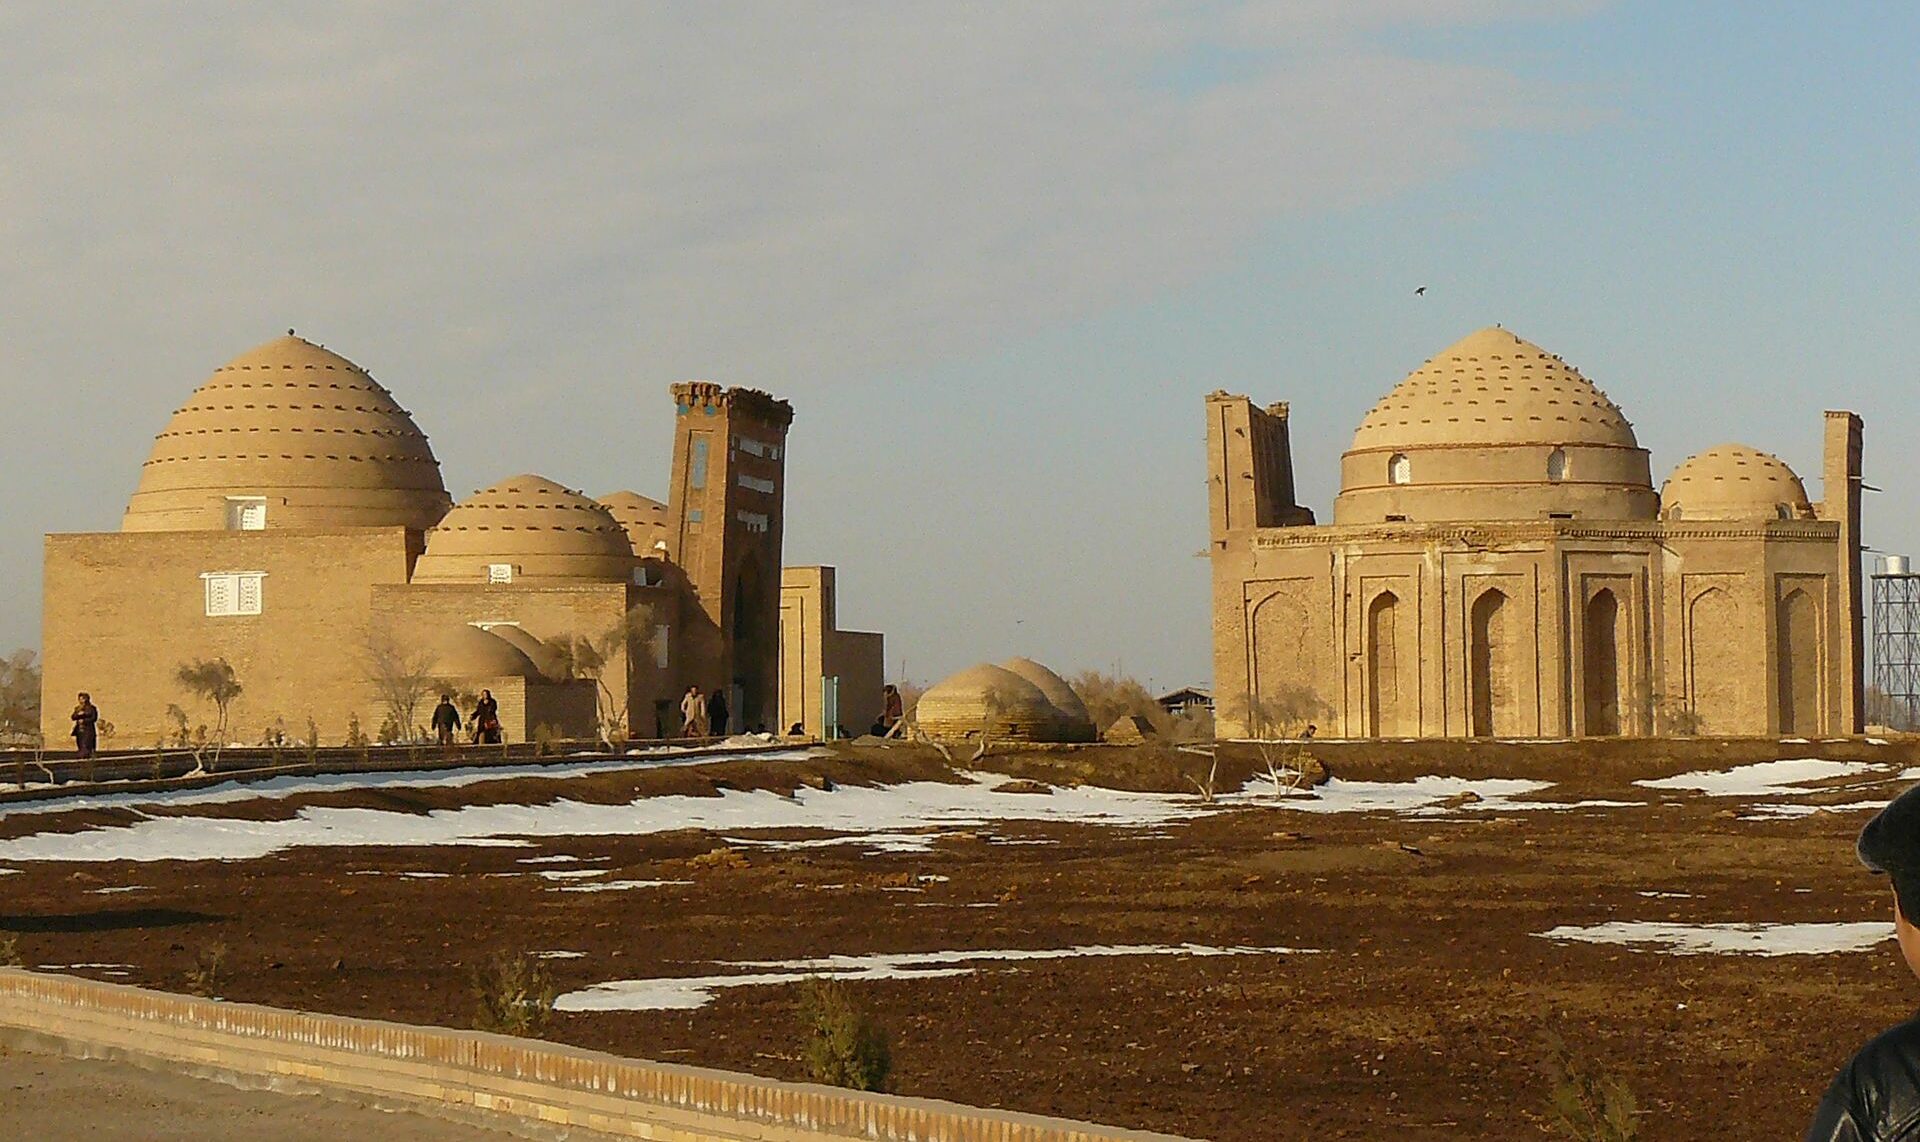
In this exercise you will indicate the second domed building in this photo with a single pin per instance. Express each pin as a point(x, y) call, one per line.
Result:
point(1500, 565)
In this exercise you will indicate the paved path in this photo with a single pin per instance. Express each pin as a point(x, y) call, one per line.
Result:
point(50, 1098)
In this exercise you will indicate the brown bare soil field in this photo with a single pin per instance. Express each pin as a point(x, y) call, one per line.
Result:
point(1419, 1014)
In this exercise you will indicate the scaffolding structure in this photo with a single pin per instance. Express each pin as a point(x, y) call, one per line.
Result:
point(1896, 645)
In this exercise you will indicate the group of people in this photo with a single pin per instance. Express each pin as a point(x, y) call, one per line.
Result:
point(483, 724)
point(703, 715)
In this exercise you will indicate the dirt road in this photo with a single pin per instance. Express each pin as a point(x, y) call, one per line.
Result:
point(49, 1098)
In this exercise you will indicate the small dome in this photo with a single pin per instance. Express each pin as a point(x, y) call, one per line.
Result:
point(644, 519)
point(466, 652)
point(1734, 482)
point(1057, 690)
point(300, 428)
point(1494, 428)
point(994, 701)
point(547, 659)
point(1493, 387)
point(534, 529)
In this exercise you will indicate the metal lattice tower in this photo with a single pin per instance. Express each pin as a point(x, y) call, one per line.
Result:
point(1896, 643)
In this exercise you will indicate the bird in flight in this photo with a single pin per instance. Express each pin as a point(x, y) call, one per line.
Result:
point(1421, 292)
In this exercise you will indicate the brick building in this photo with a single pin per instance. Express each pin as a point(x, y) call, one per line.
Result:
point(291, 519)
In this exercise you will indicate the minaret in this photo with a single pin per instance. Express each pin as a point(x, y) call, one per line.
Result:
point(726, 515)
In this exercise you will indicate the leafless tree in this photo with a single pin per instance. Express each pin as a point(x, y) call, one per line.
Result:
point(401, 673)
point(587, 656)
point(19, 696)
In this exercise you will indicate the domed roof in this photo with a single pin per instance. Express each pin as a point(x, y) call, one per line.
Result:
point(994, 701)
point(1494, 428)
point(645, 520)
point(301, 428)
point(547, 659)
point(465, 652)
point(543, 532)
point(1058, 692)
point(1733, 481)
point(1492, 387)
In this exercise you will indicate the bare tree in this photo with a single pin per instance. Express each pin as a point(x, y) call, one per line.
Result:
point(19, 696)
point(586, 657)
point(1110, 697)
point(401, 673)
point(211, 680)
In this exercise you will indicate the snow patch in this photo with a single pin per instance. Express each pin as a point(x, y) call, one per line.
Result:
point(1762, 778)
point(1732, 939)
point(680, 994)
point(622, 885)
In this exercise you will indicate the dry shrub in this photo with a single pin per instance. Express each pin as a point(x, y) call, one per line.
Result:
point(842, 1046)
point(512, 995)
point(1110, 697)
point(1585, 1103)
point(10, 952)
point(203, 978)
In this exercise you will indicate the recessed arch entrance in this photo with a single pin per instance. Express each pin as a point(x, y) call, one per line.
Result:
point(1600, 665)
point(1490, 665)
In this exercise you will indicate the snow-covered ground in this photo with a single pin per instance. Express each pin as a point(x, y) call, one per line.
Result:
point(682, 993)
point(281, 787)
point(1732, 939)
point(899, 818)
point(1766, 778)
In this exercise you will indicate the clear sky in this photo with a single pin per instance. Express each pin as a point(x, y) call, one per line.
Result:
point(994, 254)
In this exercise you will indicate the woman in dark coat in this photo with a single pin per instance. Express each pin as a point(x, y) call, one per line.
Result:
point(86, 726)
point(486, 719)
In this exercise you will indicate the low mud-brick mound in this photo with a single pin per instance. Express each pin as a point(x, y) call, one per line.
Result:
point(996, 702)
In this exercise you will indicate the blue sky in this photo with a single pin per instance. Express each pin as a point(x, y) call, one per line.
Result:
point(995, 260)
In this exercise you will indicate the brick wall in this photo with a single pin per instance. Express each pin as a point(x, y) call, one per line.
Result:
point(474, 1072)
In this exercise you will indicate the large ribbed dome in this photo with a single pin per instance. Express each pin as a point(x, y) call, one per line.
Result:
point(289, 435)
point(534, 529)
point(1734, 482)
point(1494, 428)
point(1493, 387)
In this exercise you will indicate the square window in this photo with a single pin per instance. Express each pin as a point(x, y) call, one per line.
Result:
point(499, 572)
point(231, 593)
point(246, 513)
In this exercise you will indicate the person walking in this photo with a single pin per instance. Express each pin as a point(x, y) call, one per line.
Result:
point(486, 719)
point(693, 714)
point(86, 726)
point(717, 713)
point(446, 719)
point(1876, 1096)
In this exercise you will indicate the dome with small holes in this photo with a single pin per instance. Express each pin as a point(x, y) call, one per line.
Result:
point(644, 518)
point(1494, 428)
point(1734, 482)
point(527, 529)
point(288, 435)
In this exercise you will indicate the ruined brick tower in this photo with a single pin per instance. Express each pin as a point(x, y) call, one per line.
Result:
point(729, 484)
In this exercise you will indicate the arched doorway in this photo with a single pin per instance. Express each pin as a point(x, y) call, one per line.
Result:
point(1600, 665)
point(1489, 666)
point(1798, 655)
point(756, 647)
point(1383, 666)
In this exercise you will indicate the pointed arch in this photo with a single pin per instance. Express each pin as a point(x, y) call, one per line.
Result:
point(1490, 665)
point(1384, 718)
point(1713, 624)
point(1797, 663)
point(1600, 665)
